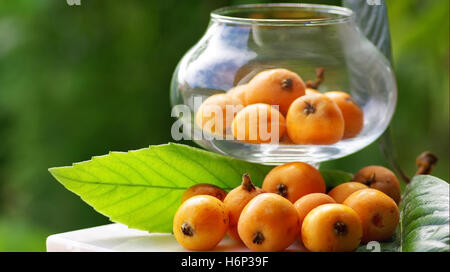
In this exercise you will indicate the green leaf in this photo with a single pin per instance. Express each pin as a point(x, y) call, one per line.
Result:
point(334, 177)
point(142, 188)
point(424, 218)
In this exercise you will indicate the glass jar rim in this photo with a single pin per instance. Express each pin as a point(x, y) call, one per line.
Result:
point(338, 14)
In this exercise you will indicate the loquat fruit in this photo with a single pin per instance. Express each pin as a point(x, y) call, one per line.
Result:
point(308, 202)
point(274, 87)
point(342, 191)
point(216, 113)
point(204, 189)
point(352, 113)
point(382, 179)
point(312, 91)
point(259, 123)
point(200, 222)
point(294, 180)
point(314, 119)
point(235, 202)
point(378, 213)
point(238, 92)
point(268, 222)
point(330, 228)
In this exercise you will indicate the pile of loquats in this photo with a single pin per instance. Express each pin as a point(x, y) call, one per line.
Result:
point(292, 205)
point(293, 112)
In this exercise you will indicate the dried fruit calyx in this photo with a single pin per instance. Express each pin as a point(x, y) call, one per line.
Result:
point(309, 108)
point(187, 230)
point(340, 228)
point(258, 238)
point(287, 83)
point(282, 190)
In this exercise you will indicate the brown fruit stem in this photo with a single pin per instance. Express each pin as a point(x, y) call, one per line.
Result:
point(402, 174)
point(319, 79)
point(247, 183)
point(425, 163)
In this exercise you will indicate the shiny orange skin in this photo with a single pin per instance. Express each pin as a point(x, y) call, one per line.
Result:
point(378, 213)
point(306, 203)
point(200, 222)
point(352, 113)
point(274, 87)
point(268, 223)
point(330, 228)
point(342, 191)
point(312, 91)
point(382, 179)
point(204, 189)
point(249, 121)
point(294, 180)
point(238, 92)
point(314, 119)
point(214, 111)
point(235, 202)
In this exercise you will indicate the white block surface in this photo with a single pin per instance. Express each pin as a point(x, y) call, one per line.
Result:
point(118, 237)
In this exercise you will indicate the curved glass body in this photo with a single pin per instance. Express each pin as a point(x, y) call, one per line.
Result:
point(244, 40)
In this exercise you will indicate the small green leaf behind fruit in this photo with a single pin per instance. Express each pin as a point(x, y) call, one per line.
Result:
point(142, 188)
point(335, 177)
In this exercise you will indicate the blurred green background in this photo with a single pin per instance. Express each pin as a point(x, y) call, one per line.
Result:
point(78, 81)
